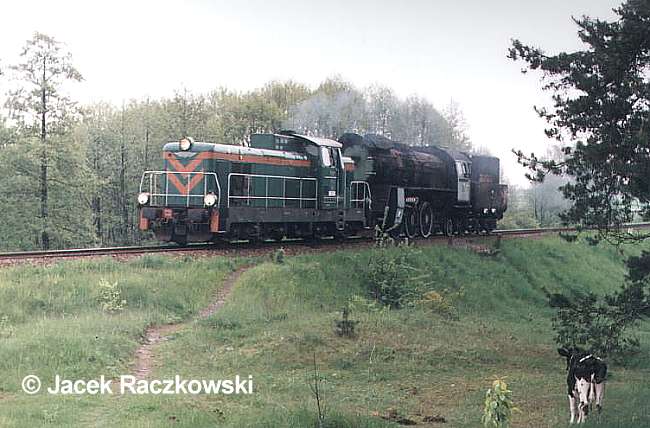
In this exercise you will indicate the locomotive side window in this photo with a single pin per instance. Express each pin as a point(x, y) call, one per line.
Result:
point(462, 169)
point(326, 156)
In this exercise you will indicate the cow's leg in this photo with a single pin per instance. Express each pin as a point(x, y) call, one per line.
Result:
point(583, 386)
point(600, 392)
point(592, 393)
point(572, 408)
point(583, 410)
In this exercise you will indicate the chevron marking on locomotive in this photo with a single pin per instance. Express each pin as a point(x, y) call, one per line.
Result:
point(184, 189)
point(179, 167)
point(190, 167)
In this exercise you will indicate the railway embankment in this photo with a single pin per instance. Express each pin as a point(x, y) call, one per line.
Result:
point(431, 327)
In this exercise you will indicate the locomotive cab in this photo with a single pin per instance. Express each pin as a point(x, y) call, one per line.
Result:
point(463, 168)
point(331, 177)
point(489, 198)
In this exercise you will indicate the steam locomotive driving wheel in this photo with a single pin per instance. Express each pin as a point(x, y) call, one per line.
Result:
point(449, 227)
point(411, 226)
point(426, 220)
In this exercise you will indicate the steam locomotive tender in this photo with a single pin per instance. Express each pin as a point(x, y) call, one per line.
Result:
point(296, 186)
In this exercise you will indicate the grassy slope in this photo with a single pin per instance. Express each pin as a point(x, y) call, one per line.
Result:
point(279, 315)
point(410, 360)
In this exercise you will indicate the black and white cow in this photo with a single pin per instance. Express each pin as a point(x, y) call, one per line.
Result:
point(585, 380)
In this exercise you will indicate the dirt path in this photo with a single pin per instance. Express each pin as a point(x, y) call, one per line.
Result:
point(145, 356)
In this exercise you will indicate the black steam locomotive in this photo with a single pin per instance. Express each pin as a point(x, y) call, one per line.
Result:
point(424, 190)
point(291, 185)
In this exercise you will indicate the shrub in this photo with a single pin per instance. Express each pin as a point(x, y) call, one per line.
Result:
point(498, 405)
point(441, 304)
point(391, 278)
point(345, 327)
point(277, 256)
point(110, 296)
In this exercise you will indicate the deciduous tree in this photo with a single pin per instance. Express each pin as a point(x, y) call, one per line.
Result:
point(40, 106)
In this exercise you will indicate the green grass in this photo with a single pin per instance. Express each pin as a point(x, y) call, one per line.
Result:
point(412, 360)
point(53, 323)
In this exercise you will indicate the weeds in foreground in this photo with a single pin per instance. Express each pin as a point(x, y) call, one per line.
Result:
point(441, 304)
point(316, 386)
point(6, 329)
point(277, 256)
point(498, 405)
point(110, 296)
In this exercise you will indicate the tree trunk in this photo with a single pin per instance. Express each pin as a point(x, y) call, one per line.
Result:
point(123, 196)
point(146, 137)
point(97, 210)
point(45, 237)
point(97, 200)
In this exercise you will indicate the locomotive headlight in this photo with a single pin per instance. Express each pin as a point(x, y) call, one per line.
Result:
point(143, 198)
point(186, 144)
point(494, 210)
point(485, 210)
point(210, 199)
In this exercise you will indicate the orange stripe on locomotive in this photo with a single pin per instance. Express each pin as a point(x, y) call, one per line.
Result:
point(234, 157)
point(180, 181)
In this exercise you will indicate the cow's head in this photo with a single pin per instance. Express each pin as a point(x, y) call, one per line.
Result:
point(571, 354)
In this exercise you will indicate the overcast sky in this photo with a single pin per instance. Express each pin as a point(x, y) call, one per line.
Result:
point(439, 50)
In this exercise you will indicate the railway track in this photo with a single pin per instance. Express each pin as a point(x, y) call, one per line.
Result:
point(99, 251)
point(247, 247)
point(537, 231)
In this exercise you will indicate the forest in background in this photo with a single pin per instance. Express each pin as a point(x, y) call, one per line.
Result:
point(70, 172)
